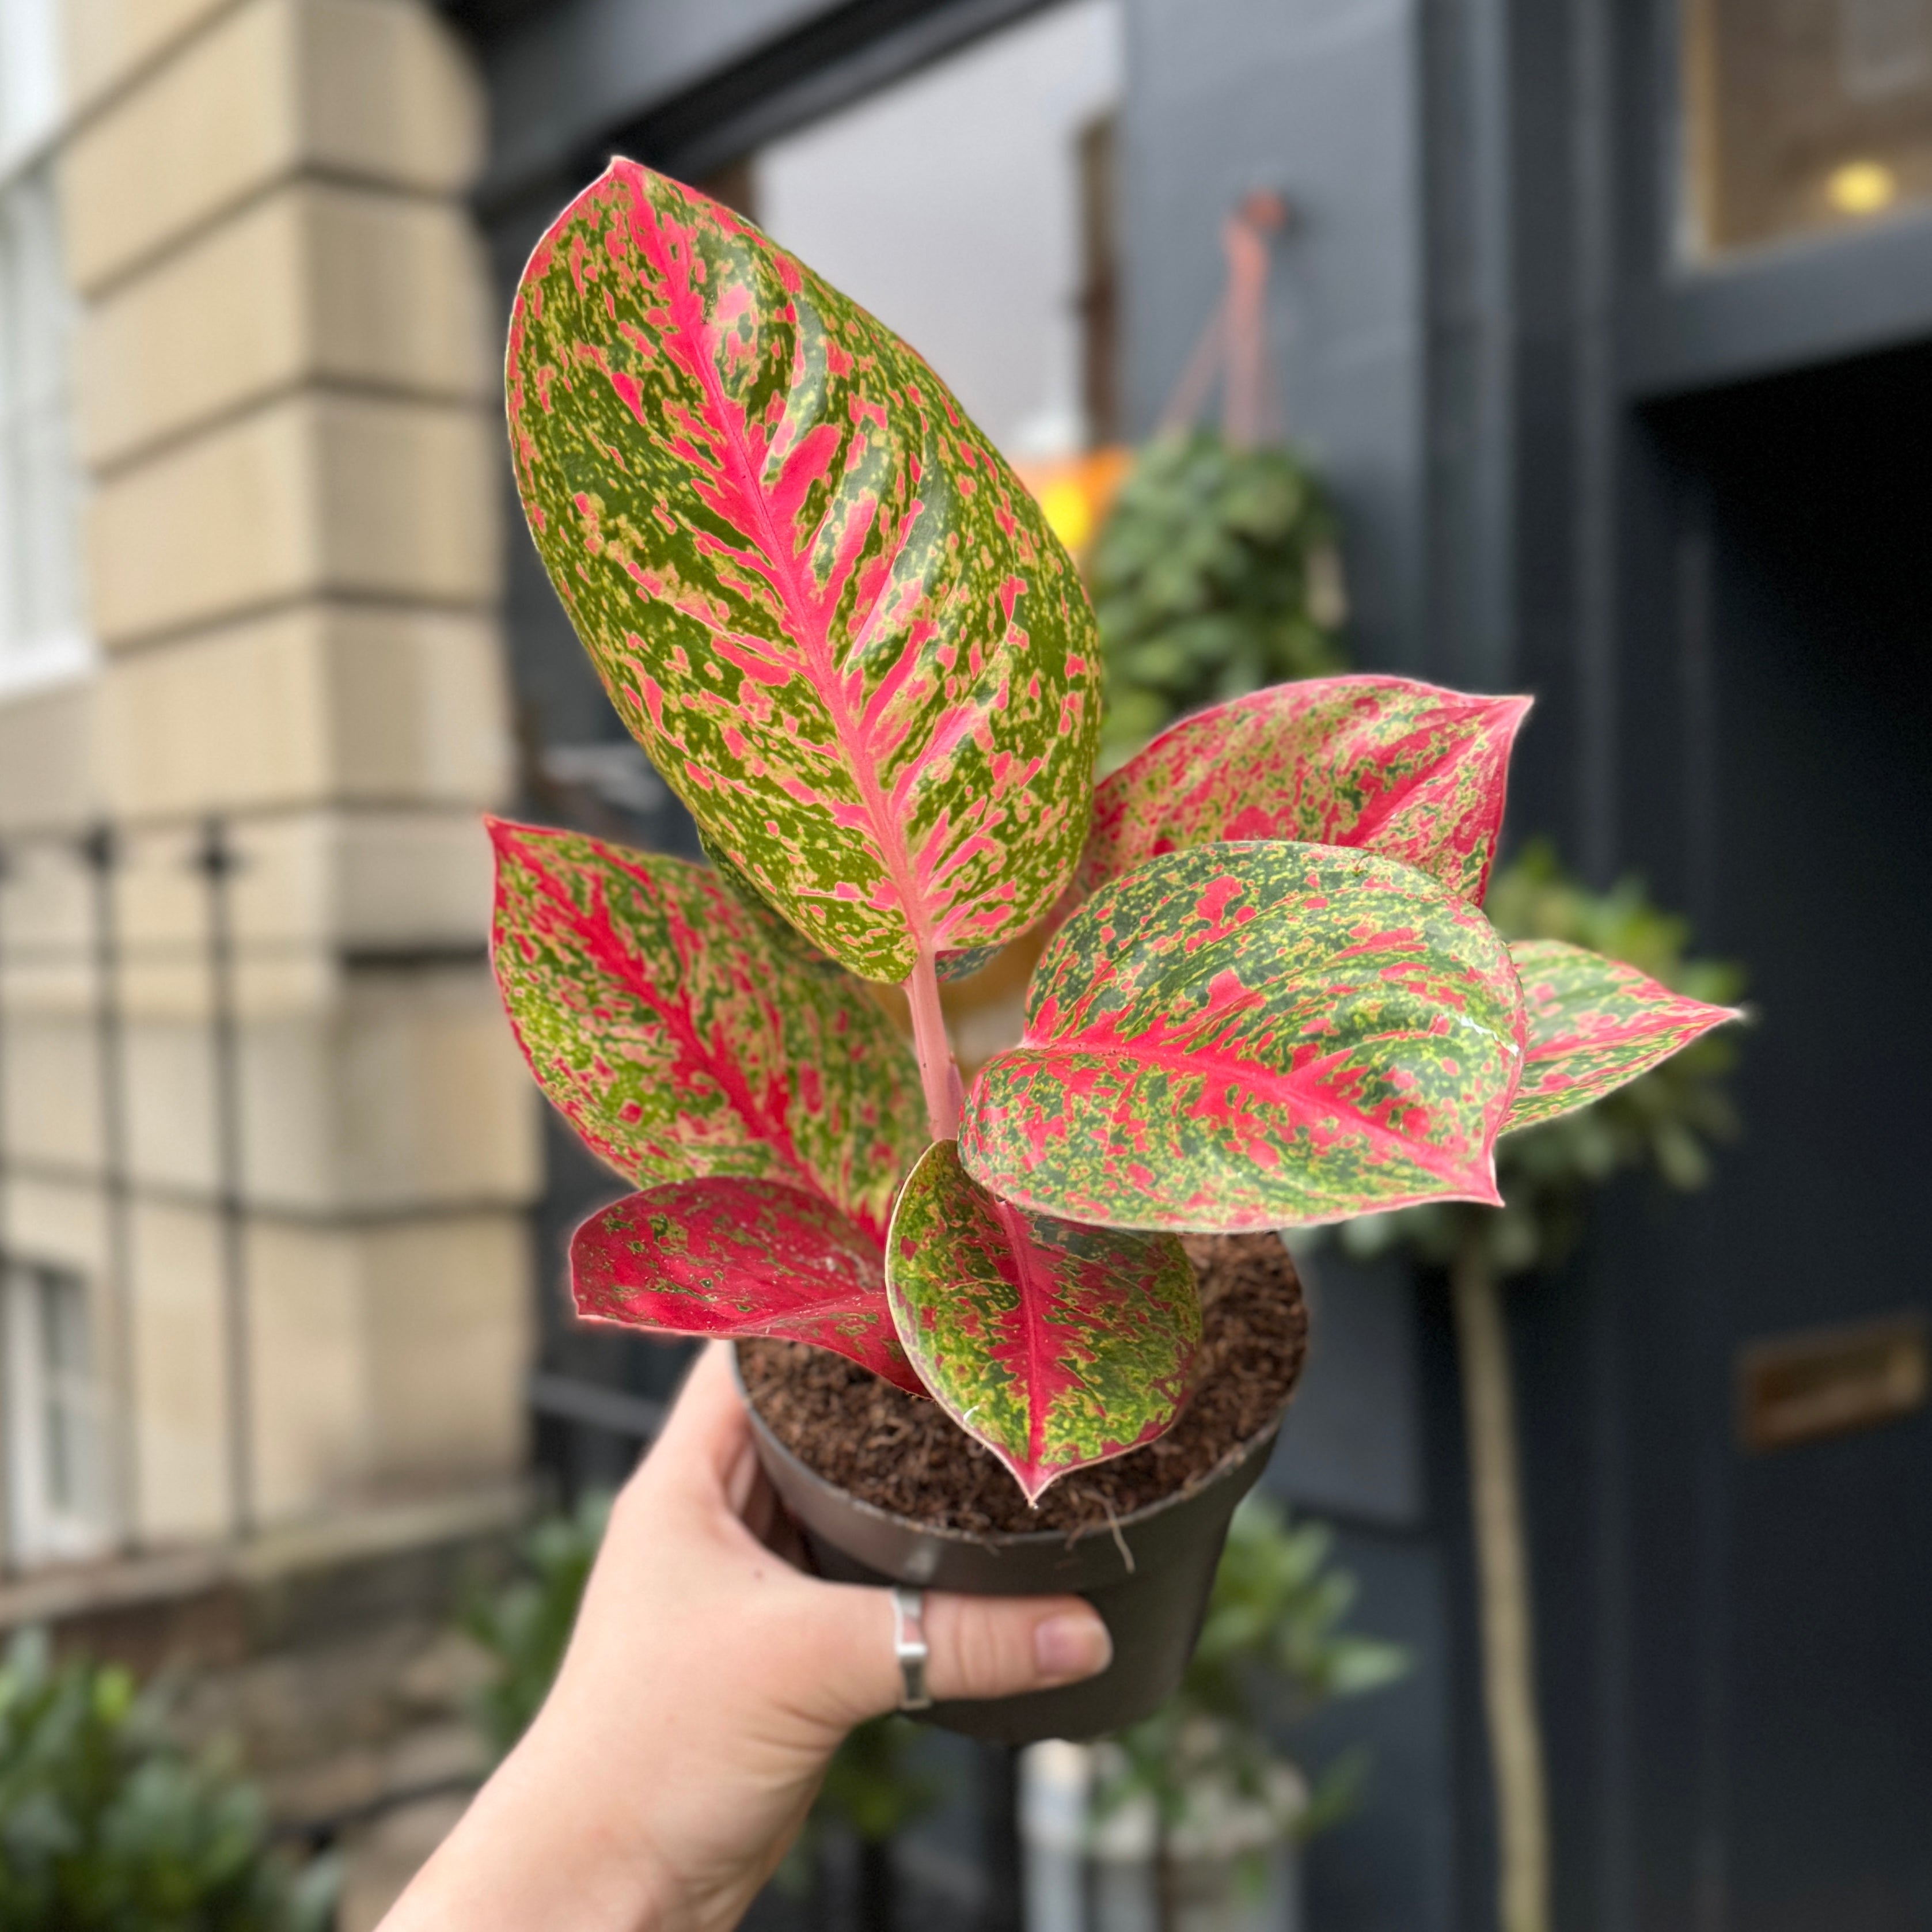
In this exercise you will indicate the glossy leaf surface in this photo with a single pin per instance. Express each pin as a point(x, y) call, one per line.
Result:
point(682, 1039)
point(1056, 1344)
point(1386, 764)
point(815, 593)
point(1241, 1037)
point(725, 1257)
point(1593, 1024)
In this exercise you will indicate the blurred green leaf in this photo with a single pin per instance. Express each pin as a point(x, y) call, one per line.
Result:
point(106, 1825)
point(1213, 575)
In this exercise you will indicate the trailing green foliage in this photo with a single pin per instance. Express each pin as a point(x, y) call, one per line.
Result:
point(1212, 575)
point(1275, 1623)
point(106, 1825)
point(1665, 1121)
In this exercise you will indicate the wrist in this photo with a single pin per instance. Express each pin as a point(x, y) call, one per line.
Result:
point(546, 1842)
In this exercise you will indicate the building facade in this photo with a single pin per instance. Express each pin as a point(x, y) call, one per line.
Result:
point(265, 1150)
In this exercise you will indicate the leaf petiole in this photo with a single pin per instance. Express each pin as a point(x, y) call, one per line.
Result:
point(938, 1074)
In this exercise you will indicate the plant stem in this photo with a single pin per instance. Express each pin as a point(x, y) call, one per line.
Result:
point(1502, 1565)
point(938, 1075)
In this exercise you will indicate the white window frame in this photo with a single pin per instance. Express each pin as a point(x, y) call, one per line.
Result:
point(58, 1507)
point(43, 635)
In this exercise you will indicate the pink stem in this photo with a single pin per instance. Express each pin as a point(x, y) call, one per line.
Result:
point(938, 1075)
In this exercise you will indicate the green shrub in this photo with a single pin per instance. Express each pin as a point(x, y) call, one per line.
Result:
point(106, 1825)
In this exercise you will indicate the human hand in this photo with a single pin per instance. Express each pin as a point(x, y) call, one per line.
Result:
point(707, 1684)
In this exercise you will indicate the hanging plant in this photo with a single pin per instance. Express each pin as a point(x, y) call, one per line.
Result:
point(1214, 573)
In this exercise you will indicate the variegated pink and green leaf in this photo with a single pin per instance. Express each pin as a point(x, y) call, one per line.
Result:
point(1249, 1036)
point(1594, 1024)
point(1384, 763)
point(816, 594)
point(1056, 1344)
point(732, 1257)
point(681, 1040)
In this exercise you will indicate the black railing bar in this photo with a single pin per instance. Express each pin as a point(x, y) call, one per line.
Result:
point(101, 855)
point(218, 862)
point(566, 1398)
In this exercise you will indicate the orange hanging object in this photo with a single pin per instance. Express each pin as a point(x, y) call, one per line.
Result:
point(1233, 345)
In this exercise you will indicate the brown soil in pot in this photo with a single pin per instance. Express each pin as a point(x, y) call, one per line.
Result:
point(901, 1454)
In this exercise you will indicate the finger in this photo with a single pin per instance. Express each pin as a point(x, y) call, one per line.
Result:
point(996, 1646)
point(977, 1646)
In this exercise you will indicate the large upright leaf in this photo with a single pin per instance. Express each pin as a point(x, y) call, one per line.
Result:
point(1056, 1344)
point(815, 593)
point(1250, 1036)
point(1384, 763)
point(1594, 1024)
point(722, 1257)
point(682, 1039)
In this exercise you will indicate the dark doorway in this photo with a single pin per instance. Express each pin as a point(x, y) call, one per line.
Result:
point(1780, 1690)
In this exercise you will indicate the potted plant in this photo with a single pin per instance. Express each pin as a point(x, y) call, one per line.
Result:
point(851, 647)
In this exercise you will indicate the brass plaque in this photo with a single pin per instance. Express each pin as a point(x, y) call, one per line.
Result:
point(1830, 1381)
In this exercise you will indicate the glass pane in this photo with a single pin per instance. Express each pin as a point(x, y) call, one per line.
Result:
point(960, 206)
point(68, 1425)
point(1803, 116)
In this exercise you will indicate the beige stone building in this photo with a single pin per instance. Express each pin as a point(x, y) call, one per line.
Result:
point(266, 1147)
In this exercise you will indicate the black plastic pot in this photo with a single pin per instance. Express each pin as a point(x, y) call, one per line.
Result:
point(1148, 1575)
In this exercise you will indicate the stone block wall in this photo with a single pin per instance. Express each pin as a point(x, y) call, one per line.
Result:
point(285, 401)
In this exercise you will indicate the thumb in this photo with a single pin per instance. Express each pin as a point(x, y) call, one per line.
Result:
point(996, 1646)
point(976, 1647)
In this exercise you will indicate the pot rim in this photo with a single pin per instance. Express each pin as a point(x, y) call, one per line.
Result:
point(1016, 1539)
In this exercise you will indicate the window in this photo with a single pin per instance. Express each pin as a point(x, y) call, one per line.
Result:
point(959, 206)
point(1802, 117)
point(42, 633)
point(56, 1463)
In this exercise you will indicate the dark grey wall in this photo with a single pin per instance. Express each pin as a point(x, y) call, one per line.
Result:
point(1320, 99)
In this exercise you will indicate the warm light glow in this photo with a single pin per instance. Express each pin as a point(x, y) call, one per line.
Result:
point(1068, 512)
point(1862, 187)
point(1076, 492)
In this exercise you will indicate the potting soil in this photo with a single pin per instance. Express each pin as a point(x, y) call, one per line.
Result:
point(902, 1453)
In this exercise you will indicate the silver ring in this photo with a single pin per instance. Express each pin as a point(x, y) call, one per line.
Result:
point(909, 1647)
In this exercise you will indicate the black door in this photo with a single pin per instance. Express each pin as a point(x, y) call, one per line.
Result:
point(1766, 1723)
